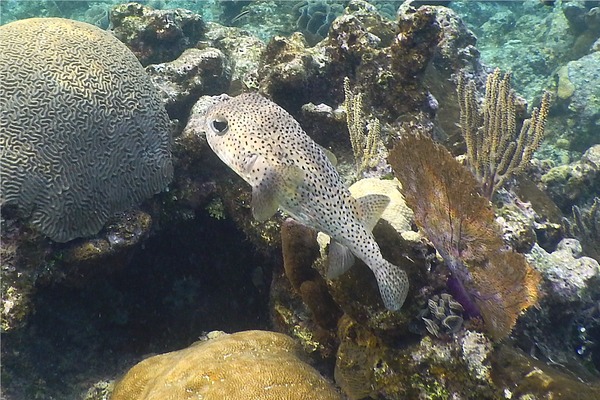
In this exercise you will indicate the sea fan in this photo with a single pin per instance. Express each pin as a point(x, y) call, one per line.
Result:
point(488, 278)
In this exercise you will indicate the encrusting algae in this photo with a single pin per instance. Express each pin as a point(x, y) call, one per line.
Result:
point(243, 365)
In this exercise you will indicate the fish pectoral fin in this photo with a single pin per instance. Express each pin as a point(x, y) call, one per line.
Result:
point(370, 208)
point(290, 179)
point(340, 260)
point(264, 201)
point(330, 156)
point(276, 182)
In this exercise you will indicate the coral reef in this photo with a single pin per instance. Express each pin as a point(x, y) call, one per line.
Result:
point(99, 391)
point(263, 19)
point(84, 11)
point(242, 50)
point(288, 65)
point(183, 280)
point(456, 368)
point(562, 329)
point(524, 377)
point(465, 365)
point(487, 278)
point(566, 273)
point(530, 39)
point(29, 261)
point(519, 222)
point(21, 252)
point(455, 52)
point(575, 183)
point(385, 61)
point(578, 101)
point(155, 279)
point(84, 260)
point(496, 150)
point(300, 250)
point(291, 315)
point(194, 73)
point(581, 16)
point(411, 51)
point(536, 42)
point(87, 138)
point(155, 36)
point(249, 364)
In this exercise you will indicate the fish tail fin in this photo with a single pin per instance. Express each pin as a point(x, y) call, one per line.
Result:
point(393, 284)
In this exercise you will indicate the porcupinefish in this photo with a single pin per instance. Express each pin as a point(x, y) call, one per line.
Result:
point(267, 147)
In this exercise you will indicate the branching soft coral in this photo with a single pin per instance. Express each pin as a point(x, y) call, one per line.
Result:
point(444, 196)
point(496, 150)
point(585, 226)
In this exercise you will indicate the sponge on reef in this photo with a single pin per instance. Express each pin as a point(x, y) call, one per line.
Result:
point(243, 365)
point(83, 132)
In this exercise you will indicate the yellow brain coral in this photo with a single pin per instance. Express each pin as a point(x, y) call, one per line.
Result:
point(83, 132)
point(245, 365)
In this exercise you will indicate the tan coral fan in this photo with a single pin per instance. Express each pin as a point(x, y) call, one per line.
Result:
point(460, 223)
point(243, 365)
point(83, 133)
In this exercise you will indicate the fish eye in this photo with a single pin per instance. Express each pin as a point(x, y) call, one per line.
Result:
point(219, 125)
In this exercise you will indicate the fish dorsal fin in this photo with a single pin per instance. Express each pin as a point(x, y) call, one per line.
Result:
point(272, 183)
point(340, 259)
point(370, 208)
point(330, 156)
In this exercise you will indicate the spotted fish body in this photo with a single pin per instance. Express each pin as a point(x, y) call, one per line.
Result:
point(264, 145)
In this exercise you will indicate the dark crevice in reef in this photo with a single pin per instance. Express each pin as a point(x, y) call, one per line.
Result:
point(191, 278)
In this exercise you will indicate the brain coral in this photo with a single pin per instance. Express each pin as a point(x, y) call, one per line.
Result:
point(243, 365)
point(83, 133)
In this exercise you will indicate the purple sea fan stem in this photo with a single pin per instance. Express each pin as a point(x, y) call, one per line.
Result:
point(456, 287)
